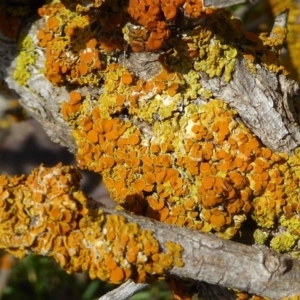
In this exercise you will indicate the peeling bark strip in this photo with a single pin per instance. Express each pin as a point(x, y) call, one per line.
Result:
point(220, 4)
point(125, 291)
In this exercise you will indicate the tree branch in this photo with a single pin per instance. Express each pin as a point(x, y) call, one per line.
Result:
point(259, 96)
point(124, 291)
point(47, 214)
point(250, 81)
point(254, 269)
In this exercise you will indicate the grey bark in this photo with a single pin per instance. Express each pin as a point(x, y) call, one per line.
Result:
point(222, 3)
point(124, 291)
point(265, 103)
point(207, 258)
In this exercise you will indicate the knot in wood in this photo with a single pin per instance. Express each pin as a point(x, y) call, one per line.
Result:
point(212, 243)
point(272, 263)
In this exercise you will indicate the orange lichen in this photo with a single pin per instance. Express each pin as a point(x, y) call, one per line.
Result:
point(170, 11)
point(73, 106)
point(126, 78)
point(137, 46)
point(289, 60)
point(68, 36)
point(47, 214)
point(194, 8)
point(221, 169)
point(154, 17)
point(160, 152)
point(68, 31)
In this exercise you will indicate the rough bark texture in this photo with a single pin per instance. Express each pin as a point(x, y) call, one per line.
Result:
point(40, 98)
point(125, 291)
point(265, 103)
point(255, 269)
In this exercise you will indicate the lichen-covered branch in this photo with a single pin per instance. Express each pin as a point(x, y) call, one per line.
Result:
point(189, 119)
point(257, 94)
point(47, 214)
point(281, 136)
point(293, 47)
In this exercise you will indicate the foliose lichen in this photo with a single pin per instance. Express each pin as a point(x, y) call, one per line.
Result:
point(283, 242)
point(47, 214)
point(26, 58)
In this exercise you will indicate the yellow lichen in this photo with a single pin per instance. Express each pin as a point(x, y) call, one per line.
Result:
point(260, 236)
point(283, 242)
point(26, 58)
point(291, 60)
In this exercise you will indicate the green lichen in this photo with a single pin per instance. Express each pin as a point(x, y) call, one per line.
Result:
point(27, 57)
point(260, 236)
point(169, 106)
point(283, 242)
point(205, 93)
point(112, 88)
point(158, 107)
point(294, 162)
point(163, 130)
point(217, 58)
point(292, 224)
point(179, 62)
point(194, 88)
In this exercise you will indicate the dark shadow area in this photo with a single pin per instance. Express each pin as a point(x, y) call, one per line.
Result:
point(32, 154)
point(26, 146)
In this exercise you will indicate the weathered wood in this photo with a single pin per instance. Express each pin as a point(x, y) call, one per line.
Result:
point(264, 101)
point(254, 269)
point(125, 291)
